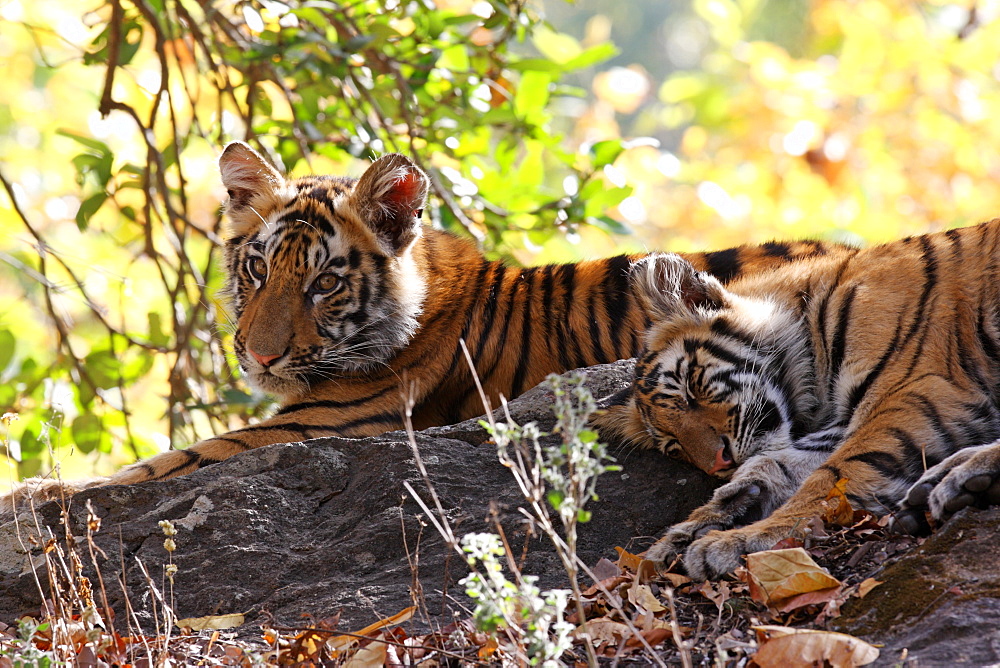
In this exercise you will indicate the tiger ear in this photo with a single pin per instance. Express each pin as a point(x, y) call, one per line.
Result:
point(390, 198)
point(618, 419)
point(666, 282)
point(253, 185)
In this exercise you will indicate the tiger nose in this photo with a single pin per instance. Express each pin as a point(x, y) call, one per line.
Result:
point(265, 360)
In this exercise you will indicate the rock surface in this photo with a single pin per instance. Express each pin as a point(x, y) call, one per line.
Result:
point(325, 526)
point(317, 527)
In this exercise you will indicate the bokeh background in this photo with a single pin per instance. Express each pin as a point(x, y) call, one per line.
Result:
point(553, 131)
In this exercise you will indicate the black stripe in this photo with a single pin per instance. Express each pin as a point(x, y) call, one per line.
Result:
point(596, 347)
point(517, 384)
point(777, 249)
point(568, 281)
point(504, 331)
point(489, 310)
point(838, 348)
point(243, 446)
point(724, 264)
point(883, 462)
point(192, 457)
point(919, 320)
point(616, 301)
point(454, 411)
point(329, 403)
point(392, 419)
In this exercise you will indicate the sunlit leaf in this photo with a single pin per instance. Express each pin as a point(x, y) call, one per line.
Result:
point(87, 431)
point(783, 646)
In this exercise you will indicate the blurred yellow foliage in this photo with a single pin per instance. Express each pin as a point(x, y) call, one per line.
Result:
point(879, 123)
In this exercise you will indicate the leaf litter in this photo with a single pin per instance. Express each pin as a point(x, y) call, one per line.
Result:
point(773, 611)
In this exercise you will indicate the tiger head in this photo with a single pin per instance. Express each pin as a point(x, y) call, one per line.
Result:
point(722, 377)
point(320, 270)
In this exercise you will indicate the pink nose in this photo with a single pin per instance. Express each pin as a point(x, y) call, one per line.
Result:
point(265, 360)
point(722, 462)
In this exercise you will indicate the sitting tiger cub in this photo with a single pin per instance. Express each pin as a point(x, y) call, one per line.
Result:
point(343, 302)
point(881, 367)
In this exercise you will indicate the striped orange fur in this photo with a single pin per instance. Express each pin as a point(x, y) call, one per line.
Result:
point(880, 367)
point(347, 307)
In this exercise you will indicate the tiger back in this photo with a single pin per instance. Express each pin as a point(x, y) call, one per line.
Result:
point(881, 368)
point(351, 312)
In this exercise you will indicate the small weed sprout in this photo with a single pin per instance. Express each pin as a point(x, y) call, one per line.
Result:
point(569, 469)
point(24, 652)
point(537, 618)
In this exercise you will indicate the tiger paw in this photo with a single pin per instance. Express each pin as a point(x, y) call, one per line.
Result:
point(732, 502)
point(721, 552)
point(676, 540)
point(970, 477)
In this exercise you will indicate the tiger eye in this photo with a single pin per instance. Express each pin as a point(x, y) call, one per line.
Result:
point(326, 283)
point(257, 267)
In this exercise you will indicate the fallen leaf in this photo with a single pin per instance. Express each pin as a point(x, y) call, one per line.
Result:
point(782, 646)
point(605, 569)
point(372, 656)
point(609, 584)
point(866, 586)
point(603, 630)
point(487, 650)
point(339, 643)
point(837, 509)
point(653, 636)
point(675, 579)
point(644, 569)
point(776, 576)
point(642, 596)
point(211, 622)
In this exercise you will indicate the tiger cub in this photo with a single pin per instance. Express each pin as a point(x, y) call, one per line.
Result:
point(881, 367)
point(344, 302)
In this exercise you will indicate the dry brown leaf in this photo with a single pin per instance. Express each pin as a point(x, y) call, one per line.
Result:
point(372, 656)
point(781, 646)
point(339, 643)
point(644, 569)
point(776, 576)
point(676, 579)
point(653, 636)
point(211, 622)
point(488, 649)
point(837, 509)
point(627, 560)
point(610, 585)
point(642, 596)
point(866, 586)
point(603, 630)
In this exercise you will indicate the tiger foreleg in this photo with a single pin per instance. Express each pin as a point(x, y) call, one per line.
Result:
point(759, 486)
point(970, 477)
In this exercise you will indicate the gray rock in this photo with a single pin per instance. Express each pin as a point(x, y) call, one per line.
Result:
point(326, 525)
point(940, 604)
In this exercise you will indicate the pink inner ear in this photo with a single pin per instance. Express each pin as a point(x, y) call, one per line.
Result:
point(406, 192)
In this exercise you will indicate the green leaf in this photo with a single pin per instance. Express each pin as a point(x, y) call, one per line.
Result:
point(592, 56)
point(88, 208)
point(583, 516)
point(606, 152)
point(609, 224)
point(93, 144)
point(104, 368)
point(555, 498)
point(88, 431)
point(532, 93)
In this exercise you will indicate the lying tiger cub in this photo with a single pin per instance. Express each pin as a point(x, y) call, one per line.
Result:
point(881, 367)
point(343, 302)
